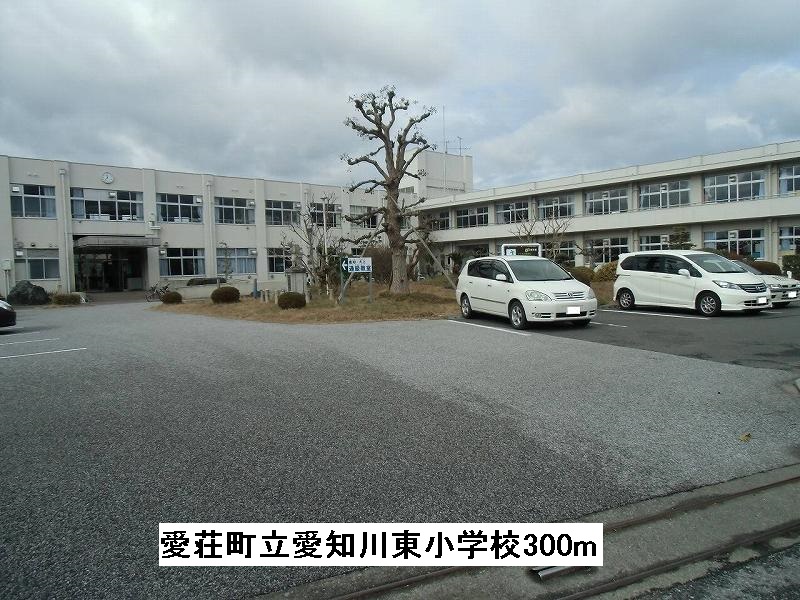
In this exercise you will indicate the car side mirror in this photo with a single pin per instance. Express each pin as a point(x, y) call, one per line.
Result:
point(501, 277)
point(684, 272)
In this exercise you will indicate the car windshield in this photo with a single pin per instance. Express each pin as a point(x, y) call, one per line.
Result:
point(747, 267)
point(712, 263)
point(538, 270)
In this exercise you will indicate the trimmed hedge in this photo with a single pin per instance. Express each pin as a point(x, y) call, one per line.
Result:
point(291, 300)
point(205, 280)
point(172, 297)
point(225, 295)
point(583, 274)
point(608, 272)
point(766, 267)
point(66, 299)
point(791, 263)
point(727, 254)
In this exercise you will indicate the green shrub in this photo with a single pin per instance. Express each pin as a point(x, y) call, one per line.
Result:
point(171, 297)
point(608, 272)
point(225, 295)
point(66, 299)
point(583, 274)
point(791, 263)
point(291, 300)
point(766, 267)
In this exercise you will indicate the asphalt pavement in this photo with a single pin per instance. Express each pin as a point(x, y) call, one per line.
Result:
point(118, 417)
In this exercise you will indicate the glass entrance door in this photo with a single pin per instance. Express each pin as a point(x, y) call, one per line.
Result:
point(109, 270)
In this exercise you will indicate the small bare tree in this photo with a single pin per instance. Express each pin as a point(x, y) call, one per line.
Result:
point(320, 245)
point(377, 114)
point(549, 229)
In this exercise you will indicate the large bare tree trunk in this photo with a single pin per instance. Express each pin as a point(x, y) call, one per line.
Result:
point(399, 272)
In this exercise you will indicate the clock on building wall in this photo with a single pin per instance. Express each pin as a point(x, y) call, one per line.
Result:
point(107, 177)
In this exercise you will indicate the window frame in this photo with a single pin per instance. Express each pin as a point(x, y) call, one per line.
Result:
point(239, 210)
point(605, 198)
point(507, 213)
point(25, 198)
point(714, 184)
point(184, 203)
point(106, 204)
point(194, 256)
point(287, 215)
point(556, 204)
point(473, 216)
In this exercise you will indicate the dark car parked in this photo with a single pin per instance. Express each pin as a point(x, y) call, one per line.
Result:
point(8, 317)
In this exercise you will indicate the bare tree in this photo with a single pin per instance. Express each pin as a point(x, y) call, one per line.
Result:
point(320, 245)
point(548, 229)
point(377, 114)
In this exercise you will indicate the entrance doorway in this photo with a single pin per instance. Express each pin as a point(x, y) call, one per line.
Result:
point(109, 269)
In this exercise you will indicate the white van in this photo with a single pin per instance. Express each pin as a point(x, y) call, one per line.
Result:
point(704, 281)
point(524, 289)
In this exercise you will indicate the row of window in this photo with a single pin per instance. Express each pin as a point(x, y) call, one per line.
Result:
point(38, 263)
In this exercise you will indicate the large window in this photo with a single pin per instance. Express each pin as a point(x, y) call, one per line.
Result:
point(37, 263)
point(556, 207)
point(733, 187)
point(474, 216)
point(234, 211)
point(664, 195)
point(278, 260)
point(606, 202)
point(331, 217)
point(790, 239)
point(183, 261)
point(106, 205)
point(512, 212)
point(236, 261)
point(179, 208)
point(747, 242)
point(370, 222)
point(654, 242)
point(280, 212)
point(790, 179)
point(607, 249)
point(33, 201)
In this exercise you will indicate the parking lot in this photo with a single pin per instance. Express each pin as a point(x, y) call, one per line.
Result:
point(118, 417)
point(770, 339)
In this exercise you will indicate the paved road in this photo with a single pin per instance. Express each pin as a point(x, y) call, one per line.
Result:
point(121, 417)
point(769, 339)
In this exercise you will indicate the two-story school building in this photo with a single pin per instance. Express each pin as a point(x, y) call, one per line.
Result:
point(747, 201)
point(99, 228)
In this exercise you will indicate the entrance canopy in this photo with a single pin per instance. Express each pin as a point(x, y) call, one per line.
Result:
point(116, 241)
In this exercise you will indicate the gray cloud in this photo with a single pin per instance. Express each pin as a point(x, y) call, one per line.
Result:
point(534, 89)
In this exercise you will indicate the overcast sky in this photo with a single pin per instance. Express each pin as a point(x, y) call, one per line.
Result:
point(533, 89)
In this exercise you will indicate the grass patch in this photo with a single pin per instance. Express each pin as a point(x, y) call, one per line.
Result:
point(424, 302)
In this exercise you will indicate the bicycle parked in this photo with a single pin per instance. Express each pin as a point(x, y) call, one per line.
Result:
point(156, 292)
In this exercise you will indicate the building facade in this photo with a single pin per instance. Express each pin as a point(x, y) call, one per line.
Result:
point(95, 228)
point(747, 201)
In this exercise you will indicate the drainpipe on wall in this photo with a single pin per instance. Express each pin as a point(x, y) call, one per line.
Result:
point(62, 173)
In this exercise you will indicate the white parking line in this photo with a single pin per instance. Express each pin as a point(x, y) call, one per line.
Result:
point(38, 353)
point(29, 341)
point(651, 314)
point(609, 324)
point(488, 327)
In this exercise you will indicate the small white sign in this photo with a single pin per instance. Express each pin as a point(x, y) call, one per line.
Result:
point(762, 300)
point(792, 294)
point(358, 265)
point(511, 251)
point(573, 310)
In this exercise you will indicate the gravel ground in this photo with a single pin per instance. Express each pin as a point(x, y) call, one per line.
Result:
point(169, 418)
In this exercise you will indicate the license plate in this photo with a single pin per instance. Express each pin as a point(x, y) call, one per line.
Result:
point(762, 300)
point(573, 310)
point(792, 294)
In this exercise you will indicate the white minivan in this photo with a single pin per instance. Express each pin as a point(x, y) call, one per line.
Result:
point(704, 281)
point(525, 289)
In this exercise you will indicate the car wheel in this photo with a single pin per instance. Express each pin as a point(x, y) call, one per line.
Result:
point(466, 307)
point(516, 313)
point(583, 323)
point(708, 304)
point(780, 304)
point(625, 299)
